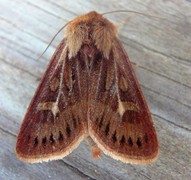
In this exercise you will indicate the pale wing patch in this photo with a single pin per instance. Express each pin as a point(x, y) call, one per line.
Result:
point(123, 85)
point(54, 84)
point(126, 106)
point(53, 106)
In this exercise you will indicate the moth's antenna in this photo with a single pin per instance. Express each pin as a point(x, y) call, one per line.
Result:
point(131, 11)
point(53, 39)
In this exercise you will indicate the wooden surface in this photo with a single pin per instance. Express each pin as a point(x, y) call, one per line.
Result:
point(160, 50)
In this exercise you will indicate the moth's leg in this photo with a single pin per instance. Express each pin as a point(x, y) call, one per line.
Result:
point(96, 152)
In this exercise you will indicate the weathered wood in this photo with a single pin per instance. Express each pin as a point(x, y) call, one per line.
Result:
point(160, 50)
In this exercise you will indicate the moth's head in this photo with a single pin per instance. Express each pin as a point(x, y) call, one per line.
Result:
point(90, 28)
point(89, 21)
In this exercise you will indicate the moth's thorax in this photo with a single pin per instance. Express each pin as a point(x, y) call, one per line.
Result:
point(91, 29)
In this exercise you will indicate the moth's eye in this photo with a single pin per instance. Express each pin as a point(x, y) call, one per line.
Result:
point(81, 26)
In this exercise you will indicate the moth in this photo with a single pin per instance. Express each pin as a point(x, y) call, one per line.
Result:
point(89, 90)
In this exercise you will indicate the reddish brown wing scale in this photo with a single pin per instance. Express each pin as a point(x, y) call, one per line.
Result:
point(52, 133)
point(120, 121)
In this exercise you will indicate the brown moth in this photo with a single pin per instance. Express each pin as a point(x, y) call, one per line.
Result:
point(88, 90)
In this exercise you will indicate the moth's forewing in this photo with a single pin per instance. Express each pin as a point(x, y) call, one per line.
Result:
point(54, 124)
point(120, 121)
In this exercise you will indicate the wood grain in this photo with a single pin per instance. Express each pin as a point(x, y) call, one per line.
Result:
point(160, 50)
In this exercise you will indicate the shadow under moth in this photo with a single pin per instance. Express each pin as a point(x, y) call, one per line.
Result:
point(89, 91)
